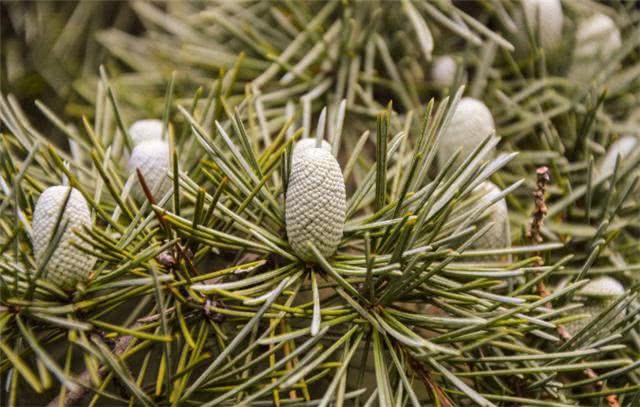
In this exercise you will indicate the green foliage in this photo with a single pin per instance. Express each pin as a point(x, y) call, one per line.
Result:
point(198, 298)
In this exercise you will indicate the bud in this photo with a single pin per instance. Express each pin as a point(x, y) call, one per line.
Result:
point(544, 18)
point(315, 207)
point(67, 265)
point(602, 288)
point(597, 39)
point(597, 295)
point(499, 235)
point(471, 123)
point(443, 71)
point(152, 159)
point(622, 147)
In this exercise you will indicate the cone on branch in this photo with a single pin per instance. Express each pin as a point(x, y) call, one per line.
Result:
point(399, 261)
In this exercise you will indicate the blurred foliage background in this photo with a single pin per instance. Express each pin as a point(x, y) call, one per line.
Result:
point(47, 46)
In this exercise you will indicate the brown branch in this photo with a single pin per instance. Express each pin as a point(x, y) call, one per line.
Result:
point(120, 345)
point(84, 379)
point(534, 233)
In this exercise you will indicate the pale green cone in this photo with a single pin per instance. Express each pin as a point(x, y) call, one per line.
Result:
point(471, 123)
point(68, 264)
point(597, 295)
point(315, 207)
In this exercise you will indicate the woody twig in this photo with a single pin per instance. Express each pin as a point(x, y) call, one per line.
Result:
point(543, 179)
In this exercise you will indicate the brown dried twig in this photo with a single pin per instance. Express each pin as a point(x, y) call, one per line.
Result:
point(543, 179)
point(439, 396)
point(537, 220)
